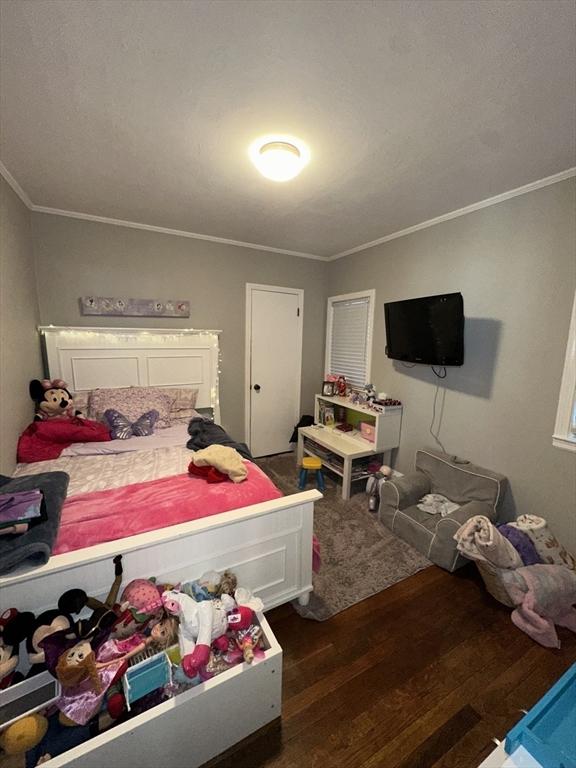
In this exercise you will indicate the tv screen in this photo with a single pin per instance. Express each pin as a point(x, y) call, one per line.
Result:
point(429, 330)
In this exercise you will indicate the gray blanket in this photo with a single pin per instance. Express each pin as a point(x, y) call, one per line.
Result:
point(33, 548)
point(204, 433)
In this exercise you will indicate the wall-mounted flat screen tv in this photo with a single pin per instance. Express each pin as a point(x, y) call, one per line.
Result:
point(428, 330)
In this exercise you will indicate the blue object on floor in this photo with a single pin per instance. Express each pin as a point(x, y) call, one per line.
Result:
point(548, 731)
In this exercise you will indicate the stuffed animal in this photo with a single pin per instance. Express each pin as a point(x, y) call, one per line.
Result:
point(24, 734)
point(202, 624)
point(52, 399)
point(210, 586)
point(370, 394)
point(14, 627)
point(140, 603)
point(44, 625)
point(61, 619)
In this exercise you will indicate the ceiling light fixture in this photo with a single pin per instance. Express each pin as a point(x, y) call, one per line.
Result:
point(279, 158)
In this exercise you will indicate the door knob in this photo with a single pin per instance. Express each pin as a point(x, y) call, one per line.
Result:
point(257, 387)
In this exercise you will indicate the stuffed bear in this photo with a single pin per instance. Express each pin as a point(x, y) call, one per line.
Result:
point(52, 399)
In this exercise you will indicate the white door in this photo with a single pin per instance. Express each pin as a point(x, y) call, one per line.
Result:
point(273, 366)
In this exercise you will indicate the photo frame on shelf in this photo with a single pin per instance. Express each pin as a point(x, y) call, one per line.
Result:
point(329, 420)
point(328, 388)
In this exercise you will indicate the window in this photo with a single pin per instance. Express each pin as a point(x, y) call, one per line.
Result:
point(349, 328)
point(565, 430)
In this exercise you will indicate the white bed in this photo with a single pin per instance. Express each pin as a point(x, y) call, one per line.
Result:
point(268, 545)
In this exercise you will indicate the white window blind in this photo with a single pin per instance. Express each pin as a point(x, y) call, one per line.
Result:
point(350, 337)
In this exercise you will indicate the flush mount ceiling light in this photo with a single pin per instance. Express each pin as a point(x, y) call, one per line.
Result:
point(279, 158)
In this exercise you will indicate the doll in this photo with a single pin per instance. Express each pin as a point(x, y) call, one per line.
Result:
point(140, 603)
point(341, 386)
point(84, 682)
point(163, 634)
point(78, 664)
point(248, 641)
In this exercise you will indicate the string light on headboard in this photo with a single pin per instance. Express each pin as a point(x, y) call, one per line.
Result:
point(77, 354)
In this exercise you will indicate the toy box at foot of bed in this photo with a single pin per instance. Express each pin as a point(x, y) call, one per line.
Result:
point(195, 726)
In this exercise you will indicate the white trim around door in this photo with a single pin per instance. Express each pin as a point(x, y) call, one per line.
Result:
point(250, 287)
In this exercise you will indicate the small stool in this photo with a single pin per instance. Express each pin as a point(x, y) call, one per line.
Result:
point(313, 463)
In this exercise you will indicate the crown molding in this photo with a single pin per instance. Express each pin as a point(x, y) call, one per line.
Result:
point(148, 227)
point(554, 179)
point(534, 185)
point(175, 232)
point(11, 181)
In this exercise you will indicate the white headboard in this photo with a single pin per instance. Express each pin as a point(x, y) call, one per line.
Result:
point(92, 358)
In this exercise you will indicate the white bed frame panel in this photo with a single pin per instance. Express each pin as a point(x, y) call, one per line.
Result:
point(268, 546)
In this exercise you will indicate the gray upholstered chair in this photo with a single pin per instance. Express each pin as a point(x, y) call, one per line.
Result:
point(478, 491)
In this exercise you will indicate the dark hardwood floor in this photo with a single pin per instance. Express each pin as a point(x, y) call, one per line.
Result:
point(422, 675)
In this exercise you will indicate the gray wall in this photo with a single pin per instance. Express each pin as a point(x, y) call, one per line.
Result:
point(515, 264)
point(19, 350)
point(78, 258)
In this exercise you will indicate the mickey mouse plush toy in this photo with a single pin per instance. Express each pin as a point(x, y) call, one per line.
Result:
point(14, 626)
point(53, 400)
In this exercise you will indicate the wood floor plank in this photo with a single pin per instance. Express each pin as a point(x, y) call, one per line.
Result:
point(442, 739)
point(422, 674)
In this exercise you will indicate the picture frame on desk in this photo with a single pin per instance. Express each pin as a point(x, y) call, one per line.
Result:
point(329, 420)
point(328, 389)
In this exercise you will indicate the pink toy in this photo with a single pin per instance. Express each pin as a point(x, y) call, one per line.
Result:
point(202, 624)
point(140, 603)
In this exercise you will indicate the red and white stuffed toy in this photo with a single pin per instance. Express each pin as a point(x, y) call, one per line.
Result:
point(52, 399)
point(203, 624)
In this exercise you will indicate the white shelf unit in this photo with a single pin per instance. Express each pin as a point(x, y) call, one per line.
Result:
point(349, 445)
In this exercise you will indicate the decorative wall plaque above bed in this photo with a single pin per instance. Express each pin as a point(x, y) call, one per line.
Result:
point(121, 306)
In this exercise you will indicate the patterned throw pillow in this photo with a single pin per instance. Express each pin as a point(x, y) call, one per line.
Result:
point(132, 402)
point(122, 429)
point(183, 407)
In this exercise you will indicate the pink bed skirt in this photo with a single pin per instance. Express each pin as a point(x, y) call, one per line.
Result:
point(93, 518)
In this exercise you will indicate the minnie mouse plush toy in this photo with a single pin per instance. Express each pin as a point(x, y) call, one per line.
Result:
point(53, 400)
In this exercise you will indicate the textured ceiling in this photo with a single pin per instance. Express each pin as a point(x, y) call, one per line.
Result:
point(144, 111)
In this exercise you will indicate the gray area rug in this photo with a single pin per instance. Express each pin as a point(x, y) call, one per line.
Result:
point(360, 557)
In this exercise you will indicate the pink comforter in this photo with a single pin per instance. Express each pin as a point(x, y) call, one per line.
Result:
point(92, 518)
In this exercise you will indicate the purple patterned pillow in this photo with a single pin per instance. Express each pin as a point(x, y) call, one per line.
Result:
point(132, 402)
point(121, 428)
